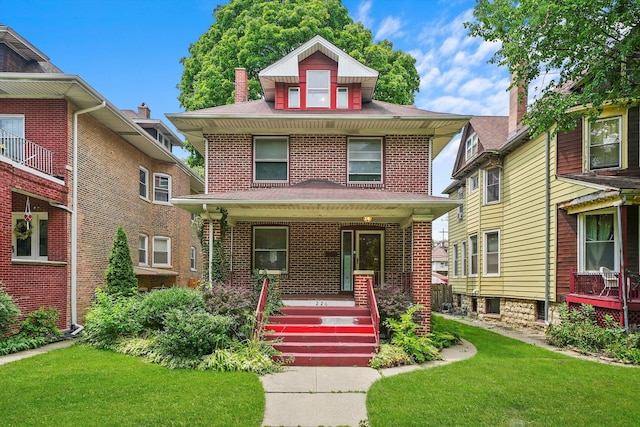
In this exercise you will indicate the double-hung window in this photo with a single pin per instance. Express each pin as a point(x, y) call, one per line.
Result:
point(144, 183)
point(597, 233)
point(294, 97)
point(192, 258)
point(318, 89)
point(12, 140)
point(30, 241)
point(342, 97)
point(492, 185)
point(473, 255)
point(456, 261)
point(463, 252)
point(471, 146)
point(271, 248)
point(365, 160)
point(491, 256)
point(604, 143)
point(161, 251)
point(472, 183)
point(143, 244)
point(161, 188)
point(271, 158)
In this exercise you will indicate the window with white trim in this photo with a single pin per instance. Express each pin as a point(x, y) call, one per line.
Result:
point(144, 183)
point(598, 241)
point(491, 253)
point(471, 146)
point(161, 188)
point(192, 258)
point(365, 160)
point(318, 88)
point(32, 242)
point(604, 143)
point(456, 261)
point(472, 183)
point(460, 208)
point(161, 251)
point(164, 140)
point(473, 255)
point(342, 97)
point(463, 252)
point(271, 248)
point(492, 186)
point(12, 140)
point(294, 97)
point(271, 158)
point(143, 247)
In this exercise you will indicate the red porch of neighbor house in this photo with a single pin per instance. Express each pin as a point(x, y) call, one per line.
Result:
point(591, 288)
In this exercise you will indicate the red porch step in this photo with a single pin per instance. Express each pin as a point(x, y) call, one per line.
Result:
point(323, 336)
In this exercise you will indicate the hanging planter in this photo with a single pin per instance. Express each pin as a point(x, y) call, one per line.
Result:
point(22, 230)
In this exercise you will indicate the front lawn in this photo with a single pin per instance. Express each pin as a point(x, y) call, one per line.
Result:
point(508, 383)
point(88, 387)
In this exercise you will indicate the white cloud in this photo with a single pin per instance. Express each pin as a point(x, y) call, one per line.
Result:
point(475, 87)
point(390, 27)
point(449, 46)
point(363, 14)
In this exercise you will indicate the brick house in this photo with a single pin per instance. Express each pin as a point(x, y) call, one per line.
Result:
point(83, 168)
point(321, 184)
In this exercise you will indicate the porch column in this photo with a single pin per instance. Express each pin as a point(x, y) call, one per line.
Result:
point(361, 277)
point(421, 253)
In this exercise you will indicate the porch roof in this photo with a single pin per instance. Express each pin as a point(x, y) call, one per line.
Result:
point(318, 200)
point(612, 191)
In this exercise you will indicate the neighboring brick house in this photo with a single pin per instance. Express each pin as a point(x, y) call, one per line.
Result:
point(321, 183)
point(49, 122)
point(544, 217)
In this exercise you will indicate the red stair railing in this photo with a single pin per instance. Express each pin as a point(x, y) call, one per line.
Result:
point(262, 303)
point(373, 306)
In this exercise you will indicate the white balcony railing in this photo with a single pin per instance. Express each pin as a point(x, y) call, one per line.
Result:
point(25, 152)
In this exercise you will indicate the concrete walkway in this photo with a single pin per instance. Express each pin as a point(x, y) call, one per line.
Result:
point(28, 353)
point(328, 396)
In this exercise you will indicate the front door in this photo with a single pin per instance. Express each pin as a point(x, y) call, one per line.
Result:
point(361, 250)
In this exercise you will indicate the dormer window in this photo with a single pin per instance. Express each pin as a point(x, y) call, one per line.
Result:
point(163, 140)
point(318, 89)
point(342, 97)
point(471, 146)
point(294, 97)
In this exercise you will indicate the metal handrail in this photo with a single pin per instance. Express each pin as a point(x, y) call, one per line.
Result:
point(25, 152)
point(373, 306)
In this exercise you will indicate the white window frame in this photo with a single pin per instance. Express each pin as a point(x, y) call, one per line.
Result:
point(163, 140)
point(293, 102)
point(145, 183)
point(342, 102)
point(285, 249)
point(471, 146)
point(350, 161)
point(7, 147)
point(192, 259)
point(472, 183)
point(256, 140)
point(312, 91)
point(472, 255)
point(463, 252)
point(582, 239)
point(455, 261)
point(153, 254)
point(619, 143)
point(34, 225)
point(155, 189)
point(485, 253)
point(485, 186)
point(460, 208)
point(145, 248)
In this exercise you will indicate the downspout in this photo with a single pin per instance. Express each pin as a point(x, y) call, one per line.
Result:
point(74, 219)
point(625, 309)
point(547, 225)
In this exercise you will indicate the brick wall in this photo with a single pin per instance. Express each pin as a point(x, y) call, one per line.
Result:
point(422, 272)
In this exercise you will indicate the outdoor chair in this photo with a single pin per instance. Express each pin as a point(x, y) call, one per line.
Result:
point(610, 279)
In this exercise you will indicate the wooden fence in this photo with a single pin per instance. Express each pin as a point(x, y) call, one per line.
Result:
point(441, 294)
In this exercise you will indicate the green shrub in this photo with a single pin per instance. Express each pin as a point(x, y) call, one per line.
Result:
point(274, 298)
point(250, 356)
point(444, 334)
point(392, 302)
point(110, 320)
point(16, 343)
point(157, 304)
point(390, 355)
point(9, 312)
point(120, 278)
point(193, 334)
point(41, 323)
point(237, 303)
point(405, 335)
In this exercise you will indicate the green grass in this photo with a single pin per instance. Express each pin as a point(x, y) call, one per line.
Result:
point(508, 383)
point(83, 386)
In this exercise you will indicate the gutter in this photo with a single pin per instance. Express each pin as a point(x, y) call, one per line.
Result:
point(547, 225)
point(74, 220)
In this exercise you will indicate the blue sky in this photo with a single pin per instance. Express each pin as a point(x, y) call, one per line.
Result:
point(130, 51)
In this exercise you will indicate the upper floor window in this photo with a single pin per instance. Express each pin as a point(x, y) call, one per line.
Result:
point(597, 241)
point(472, 183)
point(460, 209)
point(492, 185)
point(161, 252)
point(604, 143)
point(491, 240)
point(30, 241)
point(294, 97)
point(463, 252)
point(161, 188)
point(271, 248)
point(12, 136)
point(456, 261)
point(342, 97)
point(144, 183)
point(318, 82)
point(473, 255)
point(365, 160)
point(162, 139)
point(143, 244)
point(271, 159)
point(471, 146)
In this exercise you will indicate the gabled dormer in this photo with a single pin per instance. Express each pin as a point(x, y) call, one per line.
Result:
point(318, 76)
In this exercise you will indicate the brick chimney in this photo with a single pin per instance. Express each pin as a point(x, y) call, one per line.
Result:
point(517, 106)
point(242, 85)
point(144, 111)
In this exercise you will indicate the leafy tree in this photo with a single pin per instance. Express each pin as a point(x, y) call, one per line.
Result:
point(120, 278)
point(593, 45)
point(253, 34)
